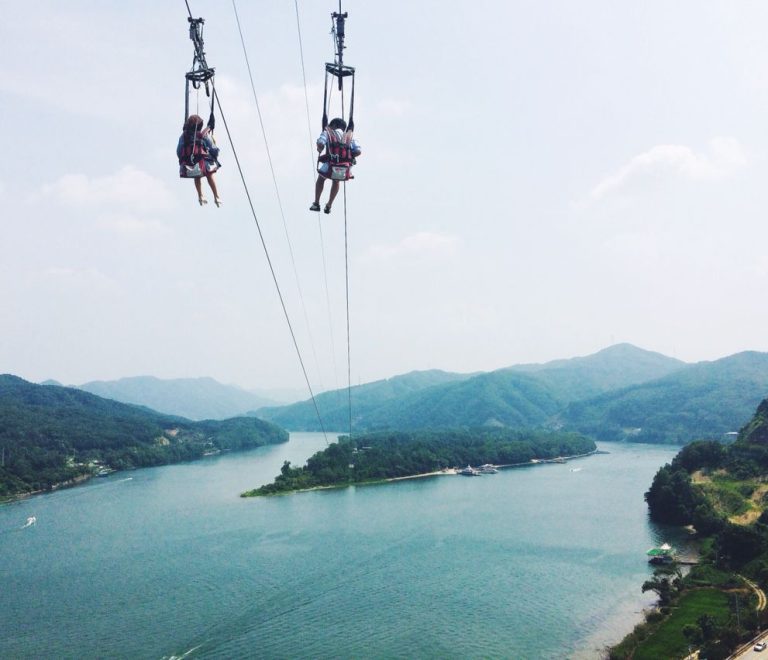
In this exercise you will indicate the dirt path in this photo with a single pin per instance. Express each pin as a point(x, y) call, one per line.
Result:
point(761, 599)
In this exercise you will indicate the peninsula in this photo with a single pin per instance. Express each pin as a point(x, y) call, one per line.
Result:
point(718, 609)
point(392, 455)
point(52, 436)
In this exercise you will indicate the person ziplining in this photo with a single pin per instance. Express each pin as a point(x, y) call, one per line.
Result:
point(341, 152)
point(196, 149)
point(336, 145)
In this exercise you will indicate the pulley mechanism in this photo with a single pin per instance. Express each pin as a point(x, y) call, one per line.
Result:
point(339, 70)
point(201, 73)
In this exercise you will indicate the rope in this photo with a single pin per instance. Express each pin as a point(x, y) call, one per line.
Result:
point(306, 95)
point(277, 194)
point(266, 254)
point(346, 281)
point(319, 221)
point(269, 262)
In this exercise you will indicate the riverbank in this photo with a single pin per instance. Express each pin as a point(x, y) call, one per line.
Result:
point(69, 483)
point(422, 475)
point(543, 557)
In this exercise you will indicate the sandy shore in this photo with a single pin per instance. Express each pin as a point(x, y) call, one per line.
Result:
point(535, 461)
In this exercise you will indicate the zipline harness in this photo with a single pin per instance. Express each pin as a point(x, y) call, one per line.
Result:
point(196, 161)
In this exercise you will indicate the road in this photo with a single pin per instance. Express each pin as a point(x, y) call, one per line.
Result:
point(748, 650)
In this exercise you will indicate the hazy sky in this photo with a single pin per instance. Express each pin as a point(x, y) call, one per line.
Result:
point(539, 180)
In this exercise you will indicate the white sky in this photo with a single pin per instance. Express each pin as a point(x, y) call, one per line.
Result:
point(539, 180)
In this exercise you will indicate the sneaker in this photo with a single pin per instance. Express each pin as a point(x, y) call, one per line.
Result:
point(327, 209)
point(315, 207)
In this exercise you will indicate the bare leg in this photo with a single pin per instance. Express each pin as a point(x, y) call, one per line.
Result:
point(334, 192)
point(319, 184)
point(199, 188)
point(212, 184)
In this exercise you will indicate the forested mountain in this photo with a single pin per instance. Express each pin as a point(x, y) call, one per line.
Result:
point(703, 400)
point(517, 397)
point(499, 399)
point(614, 367)
point(393, 454)
point(366, 400)
point(680, 402)
point(52, 434)
point(193, 398)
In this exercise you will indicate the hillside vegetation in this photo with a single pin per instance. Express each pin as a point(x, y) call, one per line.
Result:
point(722, 491)
point(641, 396)
point(51, 435)
point(367, 401)
point(704, 400)
point(613, 368)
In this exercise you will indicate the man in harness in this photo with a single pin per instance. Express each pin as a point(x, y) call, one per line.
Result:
point(336, 163)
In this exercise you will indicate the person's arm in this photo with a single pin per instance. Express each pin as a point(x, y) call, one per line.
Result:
point(321, 142)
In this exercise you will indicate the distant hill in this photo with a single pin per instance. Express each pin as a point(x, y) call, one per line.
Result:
point(497, 399)
point(703, 400)
point(193, 398)
point(614, 367)
point(521, 396)
point(366, 401)
point(51, 435)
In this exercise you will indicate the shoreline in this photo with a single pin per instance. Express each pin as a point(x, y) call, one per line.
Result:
point(70, 483)
point(505, 466)
point(438, 473)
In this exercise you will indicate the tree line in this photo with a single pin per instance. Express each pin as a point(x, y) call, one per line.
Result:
point(387, 455)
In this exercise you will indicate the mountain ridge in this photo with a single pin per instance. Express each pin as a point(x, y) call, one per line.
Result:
point(51, 435)
point(193, 398)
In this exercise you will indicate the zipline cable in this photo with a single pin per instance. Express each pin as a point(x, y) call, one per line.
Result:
point(269, 262)
point(319, 222)
point(346, 252)
point(346, 282)
point(277, 194)
point(266, 254)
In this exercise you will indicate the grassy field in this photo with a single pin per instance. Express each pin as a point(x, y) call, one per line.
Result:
point(669, 641)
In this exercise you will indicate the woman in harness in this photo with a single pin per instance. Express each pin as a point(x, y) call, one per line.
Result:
point(336, 163)
point(198, 157)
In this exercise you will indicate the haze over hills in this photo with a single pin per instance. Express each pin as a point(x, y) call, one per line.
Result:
point(53, 434)
point(521, 396)
point(702, 400)
point(193, 398)
point(367, 400)
point(617, 366)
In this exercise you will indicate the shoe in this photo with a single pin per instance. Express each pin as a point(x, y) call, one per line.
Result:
point(203, 201)
point(315, 207)
point(217, 201)
point(327, 209)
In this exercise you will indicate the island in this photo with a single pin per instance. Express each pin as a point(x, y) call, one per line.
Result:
point(390, 455)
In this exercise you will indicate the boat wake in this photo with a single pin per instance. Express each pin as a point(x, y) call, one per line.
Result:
point(186, 653)
point(32, 520)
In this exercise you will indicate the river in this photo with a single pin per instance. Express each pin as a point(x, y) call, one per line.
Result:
point(537, 562)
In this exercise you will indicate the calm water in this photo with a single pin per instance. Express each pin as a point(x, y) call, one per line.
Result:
point(540, 562)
